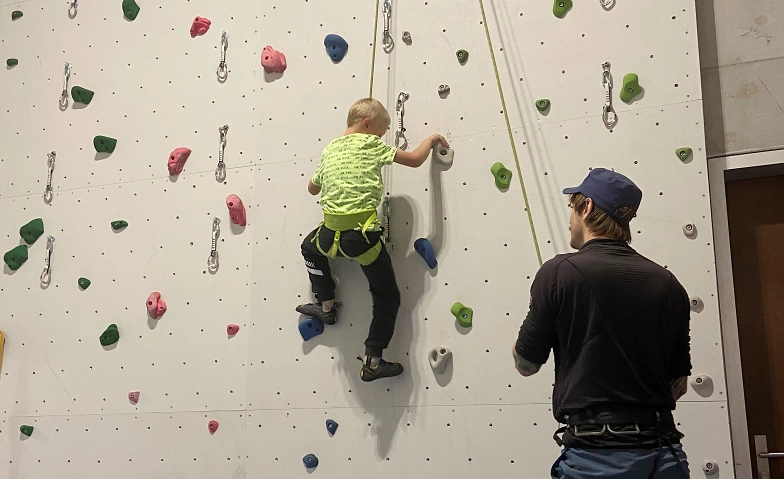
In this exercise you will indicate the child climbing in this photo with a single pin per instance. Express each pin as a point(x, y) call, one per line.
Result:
point(349, 180)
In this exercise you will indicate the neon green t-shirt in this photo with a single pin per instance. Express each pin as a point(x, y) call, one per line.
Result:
point(349, 174)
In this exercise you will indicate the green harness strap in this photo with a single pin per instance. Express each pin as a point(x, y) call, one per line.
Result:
point(339, 223)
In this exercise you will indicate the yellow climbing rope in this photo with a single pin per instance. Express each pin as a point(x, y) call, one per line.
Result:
point(373, 61)
point(509, 130)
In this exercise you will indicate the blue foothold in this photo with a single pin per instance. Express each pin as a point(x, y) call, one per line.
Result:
point(332, 426)
point(310, 461)
point(310, 327)
point(336, 47)
point(425, 250)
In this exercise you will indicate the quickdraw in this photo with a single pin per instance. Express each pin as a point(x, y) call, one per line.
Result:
point(400, 134)
point(212, 261)
point(220, 170)
point(64, 94)
point(608, 114)
point(50, 163)
point(223, 70)
point(46, 275)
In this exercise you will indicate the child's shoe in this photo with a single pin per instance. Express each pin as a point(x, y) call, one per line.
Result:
point(314, 310)
point(382, 369)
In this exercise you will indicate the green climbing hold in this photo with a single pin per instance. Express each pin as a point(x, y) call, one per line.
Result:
point(26, 430)
point(119, 224)
point(542, 104)
point(503, 176)
point(683, 153)
point(32, 230)
point(464, 314)
point(462, 56)
point(130, 9)
point(82, 95)
point(560, 7)
point(104, 144)
point(16, 257)
point(12, 62)
point(16, 14)
point(84, 283)
point(631, 87)
point(110, 336)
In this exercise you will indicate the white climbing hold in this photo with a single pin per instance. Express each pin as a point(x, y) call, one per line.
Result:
point(438, 358)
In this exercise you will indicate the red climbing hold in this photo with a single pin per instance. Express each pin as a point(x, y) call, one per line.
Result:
point(200, 26)
point(155, 305)
point(213, 425)
point(133, 397)
point(236, 210)
point(232, 329)
point(177, 160)
point(272, 60)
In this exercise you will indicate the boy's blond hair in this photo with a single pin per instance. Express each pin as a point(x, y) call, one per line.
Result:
point(367, 108)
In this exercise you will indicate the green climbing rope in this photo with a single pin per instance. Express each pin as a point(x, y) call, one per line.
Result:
point(509, 130)
point(373, 61)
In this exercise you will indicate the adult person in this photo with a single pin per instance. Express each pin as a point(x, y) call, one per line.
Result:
point(618, 325)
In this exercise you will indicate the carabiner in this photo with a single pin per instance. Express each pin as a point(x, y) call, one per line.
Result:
point(72, 6)
point(46, 275)
point(223, 70)
point(64, 94)
point(212, 261)
point(220, 170)
point(50, 163)
point(387, 41)
point(608, 114)
point(400, 134)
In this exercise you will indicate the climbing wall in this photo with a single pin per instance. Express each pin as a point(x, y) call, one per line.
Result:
point(156, 89)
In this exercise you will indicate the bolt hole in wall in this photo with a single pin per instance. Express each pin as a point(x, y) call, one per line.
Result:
point(182, 373)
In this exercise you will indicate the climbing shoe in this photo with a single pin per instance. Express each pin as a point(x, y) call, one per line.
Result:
point(314, 310)
point(382, 370)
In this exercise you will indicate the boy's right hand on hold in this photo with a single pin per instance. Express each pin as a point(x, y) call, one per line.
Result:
point(435, 138)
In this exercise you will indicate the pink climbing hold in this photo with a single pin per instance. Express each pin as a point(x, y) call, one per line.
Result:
point(236, 210)
point(133, 397)
point(213, 425)
point(232, 329)
point(272, 60)
point(200, 26)
point(177, 160)
point(155, 305)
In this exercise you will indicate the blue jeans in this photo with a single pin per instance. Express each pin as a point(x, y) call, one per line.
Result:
point(577, 463)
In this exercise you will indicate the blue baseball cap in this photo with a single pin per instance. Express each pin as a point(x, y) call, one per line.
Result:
point(610, 191)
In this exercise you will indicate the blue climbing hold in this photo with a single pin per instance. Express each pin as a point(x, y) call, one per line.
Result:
point(332, 426)
point(310, 327)
point(425, 250)
point(336, 47)
point(310, 461)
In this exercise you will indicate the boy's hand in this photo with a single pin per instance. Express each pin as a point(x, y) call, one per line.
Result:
point(435, 138)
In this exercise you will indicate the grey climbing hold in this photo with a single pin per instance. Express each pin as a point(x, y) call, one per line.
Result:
point(702, 384)
point(407, 38)
point(336, 47)
point(443, 155)
point(696, 304)
point(332, 427)
point(438, 358)
point(690, 230)
point(310, 461)
point(443, 91)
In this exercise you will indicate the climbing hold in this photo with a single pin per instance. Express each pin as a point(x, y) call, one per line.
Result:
point(462, 56)
point(116, 225)
point(110, 336)
point(200, 26)
point(155, 305)
point(213, 426)
point(542, 104)
point(407, 38)
point(503, 176)
point(464, 314)
point(438, 358)
point(710, 468)
point(104, 144)
point(443, 155)
point(32, 230)
point(703, 384)
point(177, 159)
point(84, 283)
point(272, 60)
point(690, 230)
point(560, 7)
point(310, 328)
point(133, 397)
point(12, 62)
point(332, 426)
point(16, 257)
point(232, 329)
point(443, 90)
point(310, 461)
point(130, 9)
point(16, 14)
point(26, 430)
point(236, 210)
point(631, 87)
point(336, 47)
point(696, 304)
point(683, 153)
point(425, 250)
point(82, 95)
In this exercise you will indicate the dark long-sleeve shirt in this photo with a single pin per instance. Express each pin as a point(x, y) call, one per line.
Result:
point(618, 325)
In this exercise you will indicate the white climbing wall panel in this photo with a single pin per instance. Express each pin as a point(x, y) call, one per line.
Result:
point(156, 90)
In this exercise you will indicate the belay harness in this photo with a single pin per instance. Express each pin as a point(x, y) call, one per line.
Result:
point(338, 223)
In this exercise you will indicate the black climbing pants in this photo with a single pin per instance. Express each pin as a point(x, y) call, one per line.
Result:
point(380, 276)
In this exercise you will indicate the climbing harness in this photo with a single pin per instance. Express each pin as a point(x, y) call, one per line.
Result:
point(46, 274)
point(220, 171)
point(388, 42)
point(339, 223)
point(400, 134)
point(212, 261)
point(387, 211)
point(608, 114)
point(509, 131)
point(72, 7)
point(50, 163)
point(223, 71)
point(66, 77)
